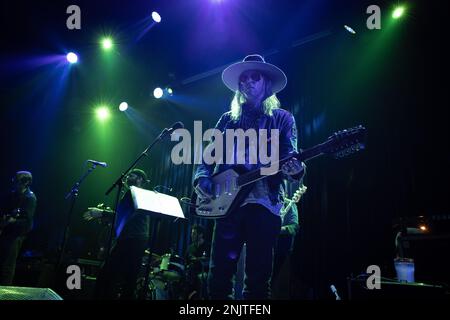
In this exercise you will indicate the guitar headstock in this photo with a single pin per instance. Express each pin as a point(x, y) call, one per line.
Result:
point(298, 194)
point(345, 142)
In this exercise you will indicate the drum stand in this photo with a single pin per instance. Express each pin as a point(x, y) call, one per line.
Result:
point(153, 231)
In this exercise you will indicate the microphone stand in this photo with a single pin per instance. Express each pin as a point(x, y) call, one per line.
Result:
point(72, 195)
point(119, 184)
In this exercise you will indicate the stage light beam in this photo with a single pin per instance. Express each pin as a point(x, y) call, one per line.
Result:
point(349, 29)
point(72, 57)
point(107, 43)
point(123, 106)
point(156, 17)
point(398, 12)
point(158, 93)
point(102, 113)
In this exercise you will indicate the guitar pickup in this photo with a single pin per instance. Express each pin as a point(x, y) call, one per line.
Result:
point(217, 190)
point(227, 187)
point(204, 211)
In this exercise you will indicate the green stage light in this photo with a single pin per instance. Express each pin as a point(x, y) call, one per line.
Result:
point(398, 12)
point(102, 113)
point(107, 43)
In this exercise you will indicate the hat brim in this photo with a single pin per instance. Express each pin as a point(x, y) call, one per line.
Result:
point(230, 76)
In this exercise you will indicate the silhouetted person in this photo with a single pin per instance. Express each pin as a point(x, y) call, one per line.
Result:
point(16, 221)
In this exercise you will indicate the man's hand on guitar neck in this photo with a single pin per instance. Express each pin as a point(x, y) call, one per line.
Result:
point(293, 167)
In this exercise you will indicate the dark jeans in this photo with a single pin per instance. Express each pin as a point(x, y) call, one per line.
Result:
point(118, 277)
point(9, 250)
point(257, 227)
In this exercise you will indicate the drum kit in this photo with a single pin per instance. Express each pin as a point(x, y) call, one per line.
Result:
point(170, 278)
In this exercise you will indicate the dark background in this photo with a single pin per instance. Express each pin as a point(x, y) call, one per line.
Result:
point(393, 81)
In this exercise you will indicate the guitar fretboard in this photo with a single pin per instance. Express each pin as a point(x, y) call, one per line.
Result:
point(255, 175)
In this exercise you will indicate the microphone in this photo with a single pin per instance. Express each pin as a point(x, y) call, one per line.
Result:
point(334, 290)
point(98, 163)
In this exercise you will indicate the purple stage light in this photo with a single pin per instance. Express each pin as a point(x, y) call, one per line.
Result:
point(156, 17)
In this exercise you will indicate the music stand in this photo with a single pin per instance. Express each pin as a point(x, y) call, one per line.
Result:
point(156, 205)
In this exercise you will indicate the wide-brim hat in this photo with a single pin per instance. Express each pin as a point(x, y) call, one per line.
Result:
point(230, 76)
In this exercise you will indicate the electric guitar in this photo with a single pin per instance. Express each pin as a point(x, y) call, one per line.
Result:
point(9, 218)
point(231, 187)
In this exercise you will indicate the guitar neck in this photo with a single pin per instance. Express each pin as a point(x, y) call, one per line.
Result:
point(341, 144)
point(313, 152)
point(255, 175)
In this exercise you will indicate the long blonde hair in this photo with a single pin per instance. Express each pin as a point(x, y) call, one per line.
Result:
point(270, 103)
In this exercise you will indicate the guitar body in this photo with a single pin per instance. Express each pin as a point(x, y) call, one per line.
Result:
point(227, 196)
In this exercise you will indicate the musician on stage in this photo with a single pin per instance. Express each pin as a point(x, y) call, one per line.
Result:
point(256, 221)
point(118, 277)
point(16, 221)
